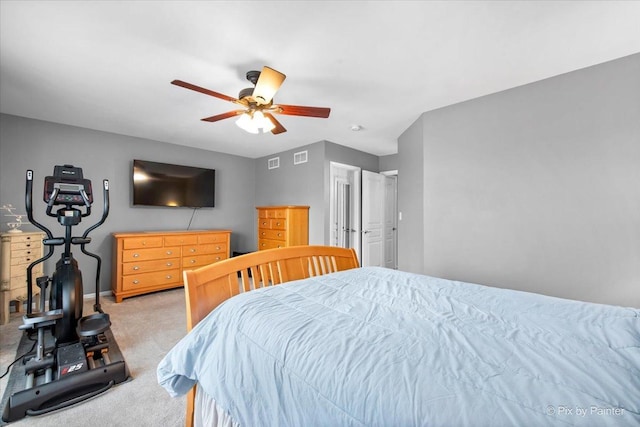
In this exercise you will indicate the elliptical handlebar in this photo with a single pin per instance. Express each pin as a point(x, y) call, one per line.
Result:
point(29, 209)
point(29, 205)
point(85, 239)
point(105, 209)
point(69, 192)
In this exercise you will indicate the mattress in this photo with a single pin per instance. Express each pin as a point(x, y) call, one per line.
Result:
point(379, 347)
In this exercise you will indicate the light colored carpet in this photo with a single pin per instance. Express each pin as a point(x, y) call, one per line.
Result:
point(145, 328)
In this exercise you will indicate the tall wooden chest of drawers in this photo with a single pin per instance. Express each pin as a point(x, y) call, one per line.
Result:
point(18, 250)
point(281, 226)
point(152, 261)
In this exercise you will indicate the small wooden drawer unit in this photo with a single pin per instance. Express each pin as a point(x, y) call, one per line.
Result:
point(281, 226)
point(18, 250)
point(152, 261)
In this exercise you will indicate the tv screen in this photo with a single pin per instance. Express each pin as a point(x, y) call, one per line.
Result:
point(162, 184)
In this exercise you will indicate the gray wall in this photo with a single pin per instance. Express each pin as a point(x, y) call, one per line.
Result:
point(410, 199)
point(291, 184)
point(536, 188)
point(388, 163)
point(37, 145)
point(308, 183)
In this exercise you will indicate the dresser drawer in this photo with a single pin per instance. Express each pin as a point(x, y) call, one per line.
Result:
point(24, 259)
point(26, 244)
point(212, 238)
point(278, 224)
point(276, 213)
point(270, 244)
point(137, 267)
point(142, 242)
point(204, 249)
point(158, 278)
point(180, 240)
point(18, 283)
point(150, 254)
point(271, 234)
point(27, 253)
point(19, 274)
point(200, 260)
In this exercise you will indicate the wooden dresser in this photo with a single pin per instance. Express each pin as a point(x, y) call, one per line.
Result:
point(18, 250)
point(151, 261)
point(281, 226)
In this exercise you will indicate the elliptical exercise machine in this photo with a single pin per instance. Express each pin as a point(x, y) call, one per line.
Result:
point(76, 357)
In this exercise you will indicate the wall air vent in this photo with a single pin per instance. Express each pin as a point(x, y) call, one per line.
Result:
point(300, 157)
point(273, 163)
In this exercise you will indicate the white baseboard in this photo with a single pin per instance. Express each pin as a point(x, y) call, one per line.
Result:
point(93, 295)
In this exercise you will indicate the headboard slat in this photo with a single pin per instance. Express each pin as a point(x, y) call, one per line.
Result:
point(209, 286)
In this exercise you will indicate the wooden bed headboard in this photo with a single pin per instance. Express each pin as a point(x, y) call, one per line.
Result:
point(209, 286)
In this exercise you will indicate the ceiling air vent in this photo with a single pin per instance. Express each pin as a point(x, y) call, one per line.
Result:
point(274, 163)
point(300, 157)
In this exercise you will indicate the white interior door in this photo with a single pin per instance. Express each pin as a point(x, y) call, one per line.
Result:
point(344, 217)
point(390, 222)
point(373, 187)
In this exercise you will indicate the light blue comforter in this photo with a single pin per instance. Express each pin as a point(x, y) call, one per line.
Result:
point(378, 347)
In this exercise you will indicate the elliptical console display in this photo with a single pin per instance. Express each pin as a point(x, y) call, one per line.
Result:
point(76, 357)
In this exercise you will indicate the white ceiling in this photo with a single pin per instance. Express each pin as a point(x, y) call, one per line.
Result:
point(108, 65)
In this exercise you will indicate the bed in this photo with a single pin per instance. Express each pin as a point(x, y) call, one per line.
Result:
point(338, 345)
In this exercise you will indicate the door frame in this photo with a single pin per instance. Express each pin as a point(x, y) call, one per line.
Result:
point(354, 173)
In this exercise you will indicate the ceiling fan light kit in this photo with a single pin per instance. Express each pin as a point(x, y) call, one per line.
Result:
point(258, 103)
point(255, 122)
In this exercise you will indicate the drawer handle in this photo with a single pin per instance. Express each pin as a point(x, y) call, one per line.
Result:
point(193, 261)
point(169, 264)
point(264, 244)
point(264, 234)
point(135, 282)
point(28, 245)
point(136, 268)
point(168, 276)
point(217, 258)
point(217, 248)
point(136, 255)
point(277, 223)
point(169, 252)
point(28, 237)
point(264, 223)
point(192, 250)
point(279, 234)
point(144, 243)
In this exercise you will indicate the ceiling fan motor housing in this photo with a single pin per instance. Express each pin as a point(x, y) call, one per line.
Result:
point(253, 76)
point(246, 93)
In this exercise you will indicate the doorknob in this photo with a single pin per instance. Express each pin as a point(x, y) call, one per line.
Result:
point(365, 231)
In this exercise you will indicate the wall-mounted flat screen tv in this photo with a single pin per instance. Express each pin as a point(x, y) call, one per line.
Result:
point(163, 184)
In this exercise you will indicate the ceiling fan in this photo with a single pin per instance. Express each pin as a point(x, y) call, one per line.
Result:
point(258, 103)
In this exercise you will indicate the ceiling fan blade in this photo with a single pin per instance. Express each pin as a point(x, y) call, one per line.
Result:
point(223, 116)
point(278, 126)
point(298, 110)
point(267, 85)
point(203, 90)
